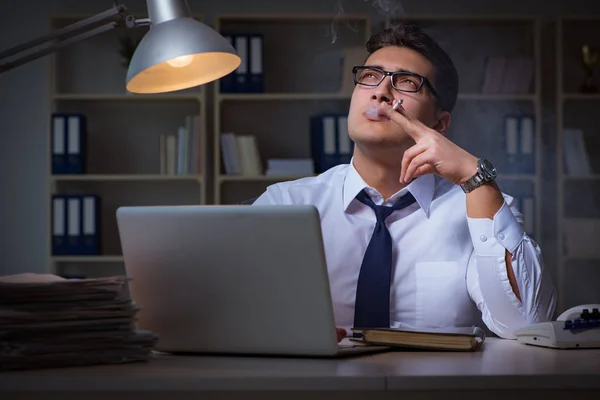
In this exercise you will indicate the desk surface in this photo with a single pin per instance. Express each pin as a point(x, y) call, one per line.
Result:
point(502, 364)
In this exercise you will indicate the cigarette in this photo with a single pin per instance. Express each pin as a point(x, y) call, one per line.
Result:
point(397, 104)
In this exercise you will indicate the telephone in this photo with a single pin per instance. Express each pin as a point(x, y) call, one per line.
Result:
point(576, 328)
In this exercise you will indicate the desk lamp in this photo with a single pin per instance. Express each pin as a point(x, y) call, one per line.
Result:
point(178, 52)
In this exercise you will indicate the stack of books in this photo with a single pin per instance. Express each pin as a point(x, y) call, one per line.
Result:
point(47, 321)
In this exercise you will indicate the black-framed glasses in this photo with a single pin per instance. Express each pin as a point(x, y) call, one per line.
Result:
point(402, 81)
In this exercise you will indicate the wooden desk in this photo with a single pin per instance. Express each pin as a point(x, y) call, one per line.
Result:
point(503, 370)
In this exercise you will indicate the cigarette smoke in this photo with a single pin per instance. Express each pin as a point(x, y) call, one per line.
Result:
point(383, 7)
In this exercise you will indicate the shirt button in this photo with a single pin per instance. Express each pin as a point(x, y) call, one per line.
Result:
point(501, 236)
point(483, 238)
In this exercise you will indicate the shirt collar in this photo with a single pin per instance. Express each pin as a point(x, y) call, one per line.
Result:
point(422, 188)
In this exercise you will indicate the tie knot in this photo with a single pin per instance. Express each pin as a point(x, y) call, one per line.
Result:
point(382, 212)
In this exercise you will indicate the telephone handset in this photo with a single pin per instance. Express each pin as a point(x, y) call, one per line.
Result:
point(577, 327)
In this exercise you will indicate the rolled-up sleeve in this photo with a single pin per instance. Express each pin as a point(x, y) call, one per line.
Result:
point(487, 277)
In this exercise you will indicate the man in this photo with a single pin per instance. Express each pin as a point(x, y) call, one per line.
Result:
point(454, 252)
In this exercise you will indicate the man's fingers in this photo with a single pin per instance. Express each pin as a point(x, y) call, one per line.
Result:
point(423, 170)
point(421, 160)
point(341, 333)
point(408, 157)
point(406, 122)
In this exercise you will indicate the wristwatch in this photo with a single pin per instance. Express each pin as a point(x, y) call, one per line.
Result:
point(486, 172)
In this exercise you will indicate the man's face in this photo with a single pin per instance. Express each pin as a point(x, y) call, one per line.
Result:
point(363, 128)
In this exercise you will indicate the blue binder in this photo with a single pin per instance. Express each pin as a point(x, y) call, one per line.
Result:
point(90, 225)
point(59, 144)
point(226, 83)
point(76, 143)
point(325, 142)
point(242, 74)
point(59, 225)
point(255, 52)
point(527, 144)
point(519, 144)
point(511, 143)
point(74, 238)
point(248, 77)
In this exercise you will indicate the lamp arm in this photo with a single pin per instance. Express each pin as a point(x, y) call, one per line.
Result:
point(72, 35)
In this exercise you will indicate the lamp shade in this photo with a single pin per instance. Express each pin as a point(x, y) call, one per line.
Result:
point(178, 52)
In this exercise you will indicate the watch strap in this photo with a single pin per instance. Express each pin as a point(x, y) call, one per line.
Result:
point(474, 182)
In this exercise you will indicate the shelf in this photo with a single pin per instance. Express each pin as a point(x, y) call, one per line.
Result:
point(126, 97)
point(497, 96)
point(290, 18)
point(129, 178)
point(567, 258)
point(281, 96)
point(518, 177)
point(82, 259)
point(594, 177)
point(341, 96)
point(259, 178)
point(229, 178)
point(466, 18)
point(581, 96)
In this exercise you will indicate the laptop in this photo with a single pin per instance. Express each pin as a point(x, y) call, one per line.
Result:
point(220, 279)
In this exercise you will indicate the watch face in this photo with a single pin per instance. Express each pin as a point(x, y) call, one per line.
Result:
point(488, 169)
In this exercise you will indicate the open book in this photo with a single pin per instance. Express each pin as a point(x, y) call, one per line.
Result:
point(452, 339)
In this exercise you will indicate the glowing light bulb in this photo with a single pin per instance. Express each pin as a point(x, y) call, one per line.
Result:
point(181, 61)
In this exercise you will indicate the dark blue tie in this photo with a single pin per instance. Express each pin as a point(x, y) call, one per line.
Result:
point(372, 306)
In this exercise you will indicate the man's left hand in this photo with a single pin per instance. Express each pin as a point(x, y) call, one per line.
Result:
point(432, 153)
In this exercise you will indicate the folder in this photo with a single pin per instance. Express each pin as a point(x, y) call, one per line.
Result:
point(345, 144)
point(511, 143)
point(330, 143)
point(256, 64)
point(241, 74)
point(90, 224)
point(59, 144)
point(227, 83)
point(76, 126)
point(73, 224)
point(59, 228)
point(323, 142)
point(527, 145)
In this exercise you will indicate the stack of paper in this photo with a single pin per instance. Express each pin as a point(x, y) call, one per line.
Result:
point(48, 321)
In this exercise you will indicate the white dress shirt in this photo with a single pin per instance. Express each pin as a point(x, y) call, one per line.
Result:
point(447, 269)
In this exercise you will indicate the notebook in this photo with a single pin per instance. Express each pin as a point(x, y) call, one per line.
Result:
point(450, 339)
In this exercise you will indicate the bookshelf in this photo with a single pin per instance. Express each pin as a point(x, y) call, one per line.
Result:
point(123, 156)
point(478, 119)
point(302, 77)
point(578, 170)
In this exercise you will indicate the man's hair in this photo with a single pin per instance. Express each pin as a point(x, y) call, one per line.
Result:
point(411, 36)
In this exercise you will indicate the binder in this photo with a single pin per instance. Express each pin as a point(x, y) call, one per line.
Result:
point(527, 145)
point(90, 224)
point(73, 224)
point(76, 133)
point(227, 83)
point(330, 144)
point(511, 143)
point(256, 64)
point(59, 144)
point(345, 144)
point(59, 225)
point(241, 74)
